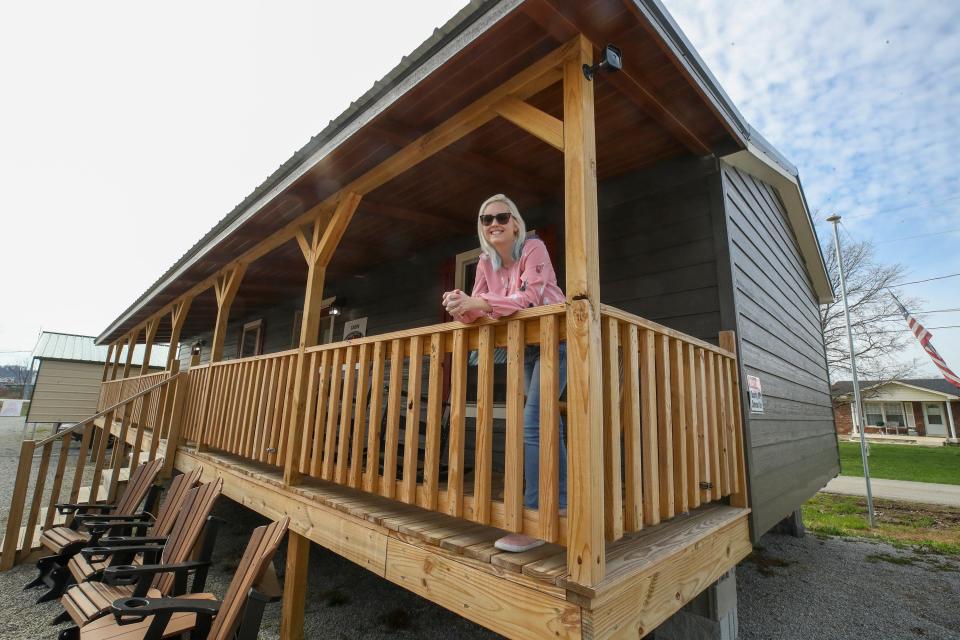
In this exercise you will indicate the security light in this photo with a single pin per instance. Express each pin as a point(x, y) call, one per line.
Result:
point(610, 59)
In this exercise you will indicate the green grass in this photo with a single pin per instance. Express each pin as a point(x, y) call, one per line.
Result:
point(903, 462)
point(924, 528)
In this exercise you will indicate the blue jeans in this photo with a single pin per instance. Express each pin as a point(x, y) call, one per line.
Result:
point(531, 427)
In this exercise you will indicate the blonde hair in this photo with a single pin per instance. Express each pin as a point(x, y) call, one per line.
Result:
point(521, 230)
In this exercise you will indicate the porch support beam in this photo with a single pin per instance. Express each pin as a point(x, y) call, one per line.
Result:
point(131, 343)
point(225, 287)
point(107, 362)
point(586, 554)
point(950, 421)
point(151, 333)
point(116, 358)
point(177, 317)
point(537, 123)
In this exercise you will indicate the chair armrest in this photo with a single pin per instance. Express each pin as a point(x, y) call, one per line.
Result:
point(125, 554)
point(143, 516)
point(66, 508)
point(131, 610)
point(126, 541)
point(98, 528)
point(130, 574)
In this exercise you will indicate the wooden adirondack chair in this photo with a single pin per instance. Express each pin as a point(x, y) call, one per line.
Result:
point(92, 599)
point(66, 541)
point(82, 569)
point(237, 616)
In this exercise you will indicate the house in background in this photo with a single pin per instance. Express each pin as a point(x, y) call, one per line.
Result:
point(67, 373)
point(925, 407)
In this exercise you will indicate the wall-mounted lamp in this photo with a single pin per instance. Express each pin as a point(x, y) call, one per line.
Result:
point(610, 60)
point(197, 346)
point(334, 311)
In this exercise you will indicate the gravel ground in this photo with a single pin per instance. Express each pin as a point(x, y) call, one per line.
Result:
point(804, 589)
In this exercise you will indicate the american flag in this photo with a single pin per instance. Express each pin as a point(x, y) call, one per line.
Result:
point(924, 337)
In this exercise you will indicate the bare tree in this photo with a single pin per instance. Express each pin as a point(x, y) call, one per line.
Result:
point(21, 373)
point(873, 315)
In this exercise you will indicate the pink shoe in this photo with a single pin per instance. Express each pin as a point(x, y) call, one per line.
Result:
point(517, 543)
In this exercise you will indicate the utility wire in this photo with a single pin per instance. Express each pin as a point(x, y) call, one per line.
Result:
point(900, 284)
point(922, 235)
point(949, 326)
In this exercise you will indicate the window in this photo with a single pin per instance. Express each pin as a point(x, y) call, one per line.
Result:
point(885, 414)
point(251, 339)
point(466, 273)
point(326, 324)
point(874, 411)
point(934, 413)
point(894, 414)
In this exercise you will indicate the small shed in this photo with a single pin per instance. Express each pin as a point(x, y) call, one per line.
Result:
point(67, 372)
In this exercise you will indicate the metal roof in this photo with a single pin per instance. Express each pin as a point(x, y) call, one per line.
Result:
point(68, 346)
point(462, 29)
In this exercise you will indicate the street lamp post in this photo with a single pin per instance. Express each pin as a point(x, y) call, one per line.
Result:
point(857, 413)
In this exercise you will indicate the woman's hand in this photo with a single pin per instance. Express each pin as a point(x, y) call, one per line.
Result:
point(457, 303)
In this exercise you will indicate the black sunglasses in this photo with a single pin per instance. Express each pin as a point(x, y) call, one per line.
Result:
point(486, 219)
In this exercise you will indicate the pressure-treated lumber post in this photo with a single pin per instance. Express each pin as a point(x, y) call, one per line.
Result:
point(131, 343)
point(225, 288)
point(178, 314)
point(585, 536)
point(318, 249)
point(106, 363)
point(116, 359)
point(176, 399)
point(151, 332)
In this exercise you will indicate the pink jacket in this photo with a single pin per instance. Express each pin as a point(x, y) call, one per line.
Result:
point(530, 282)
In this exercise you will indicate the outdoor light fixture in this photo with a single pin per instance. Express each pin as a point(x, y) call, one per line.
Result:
point(610, 59)
point(334, 311)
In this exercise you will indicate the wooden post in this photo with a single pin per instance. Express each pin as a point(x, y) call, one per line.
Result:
point(586, 546)
point(151, 332)
point(178, 314)
point(106, 363)
point(17, 499)
point(225, 288)
point(175, 401)
point(318, 249)
point(131, 343)
point(116, 359)
point(741, 497)
point(294, 587)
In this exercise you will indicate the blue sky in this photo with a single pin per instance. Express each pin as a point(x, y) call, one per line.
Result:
point(864, 98)
point(127, 131)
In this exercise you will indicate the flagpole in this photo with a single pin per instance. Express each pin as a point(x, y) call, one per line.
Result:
point(857, 412)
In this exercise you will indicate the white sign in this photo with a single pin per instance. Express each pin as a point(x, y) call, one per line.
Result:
point(353, 329)
point(756, 394)
point(11, 408)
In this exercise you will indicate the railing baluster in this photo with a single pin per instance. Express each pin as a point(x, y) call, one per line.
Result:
point(58, 479)
point(372, 468)
point(693, 425)
point(333, 414)
point(388, 486)
point(411, 444)
point(723, 425)
point(665, 428)
point(648, 410)
point(431, 456)
point(346, 416)
point(320, 419)
point(703, 414)
point(458, 408)
point(483, 451)
point(630, 424)
point(41, 480)
point(549, 505)
point(612, 487)
point(306, 443)
point(287, 415)
point(360, 416)
point(88, 433)
point(513, 445)
point(713, 422)
point(678, 405)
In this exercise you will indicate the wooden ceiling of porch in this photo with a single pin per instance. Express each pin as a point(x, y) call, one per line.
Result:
point(647, 113)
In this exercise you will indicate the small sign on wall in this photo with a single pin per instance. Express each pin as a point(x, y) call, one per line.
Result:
point(353, 329)
point(756, 394)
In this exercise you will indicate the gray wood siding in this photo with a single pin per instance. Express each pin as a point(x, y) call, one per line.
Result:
point(792, 445)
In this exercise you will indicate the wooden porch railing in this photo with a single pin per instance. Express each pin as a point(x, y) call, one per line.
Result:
point(115, 391)
point(152, 412)
point(391, 415)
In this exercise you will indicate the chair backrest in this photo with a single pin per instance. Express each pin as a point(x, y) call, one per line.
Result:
point(179, 488)
point(187, 530)
point(138, 486)
point(263, 544)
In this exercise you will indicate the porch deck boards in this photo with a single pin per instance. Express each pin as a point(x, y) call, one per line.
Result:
point(650, 574)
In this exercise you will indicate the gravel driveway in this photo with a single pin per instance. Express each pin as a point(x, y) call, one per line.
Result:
point(806, 589)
